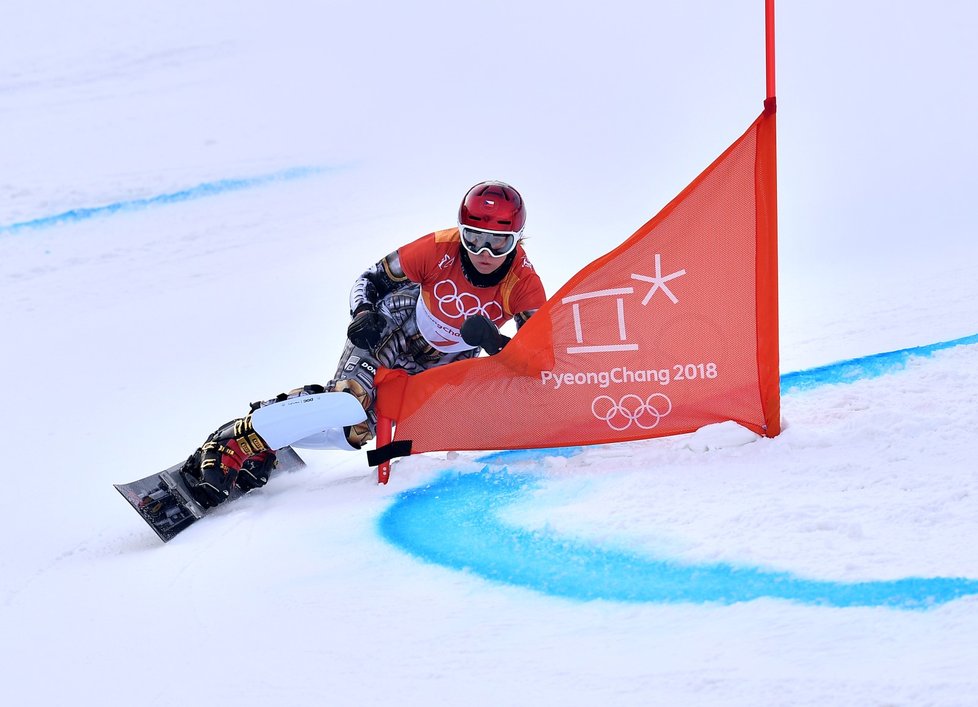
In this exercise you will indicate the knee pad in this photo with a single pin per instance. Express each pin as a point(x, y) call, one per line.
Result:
point(310, 389)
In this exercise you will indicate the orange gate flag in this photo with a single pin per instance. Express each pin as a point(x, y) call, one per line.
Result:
point(674, 329)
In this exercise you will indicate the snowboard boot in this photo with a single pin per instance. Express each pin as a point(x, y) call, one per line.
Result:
point(213, 468)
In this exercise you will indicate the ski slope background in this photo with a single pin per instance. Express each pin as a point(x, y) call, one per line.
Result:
point(186, 195)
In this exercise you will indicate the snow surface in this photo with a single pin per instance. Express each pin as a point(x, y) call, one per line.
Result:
point(187, 191)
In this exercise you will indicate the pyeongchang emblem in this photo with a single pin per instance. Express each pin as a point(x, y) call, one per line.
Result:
point(455, 305)
point(631, 409)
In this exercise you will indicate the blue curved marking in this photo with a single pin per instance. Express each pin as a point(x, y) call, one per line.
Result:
point(510, 456)
point(854, 369)
point(453, 522)
point(221, 186)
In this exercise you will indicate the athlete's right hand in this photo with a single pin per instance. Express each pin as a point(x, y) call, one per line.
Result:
point(477, 330)
point(366, 328)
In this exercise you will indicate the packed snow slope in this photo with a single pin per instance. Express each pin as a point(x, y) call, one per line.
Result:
point(186, 195)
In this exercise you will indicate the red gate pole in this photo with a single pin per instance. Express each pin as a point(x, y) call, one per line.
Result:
point(767, 258)
point(769, 51)
point(385, 434)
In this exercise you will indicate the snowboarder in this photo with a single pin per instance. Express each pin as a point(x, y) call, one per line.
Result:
point(436, 300)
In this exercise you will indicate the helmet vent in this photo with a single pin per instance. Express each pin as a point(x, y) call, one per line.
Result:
point(495, 191)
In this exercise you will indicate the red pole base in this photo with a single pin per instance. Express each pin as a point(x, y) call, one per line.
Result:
point(385, 433)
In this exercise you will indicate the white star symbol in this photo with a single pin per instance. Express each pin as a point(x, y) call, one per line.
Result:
point(659, 281)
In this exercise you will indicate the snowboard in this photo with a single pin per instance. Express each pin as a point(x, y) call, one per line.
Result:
point(164, 501)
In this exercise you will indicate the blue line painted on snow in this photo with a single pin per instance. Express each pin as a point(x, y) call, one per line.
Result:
point(454, 522)
point(200, 191)
point(854, 369)
point(513, 456)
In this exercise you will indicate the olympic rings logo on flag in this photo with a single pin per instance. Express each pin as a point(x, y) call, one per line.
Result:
point(631, 409)
point(464, 305)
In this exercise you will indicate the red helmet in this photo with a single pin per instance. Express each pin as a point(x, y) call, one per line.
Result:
point(493, 206)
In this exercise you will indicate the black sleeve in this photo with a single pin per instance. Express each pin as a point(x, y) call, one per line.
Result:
point(383, 277)
point(521, 317)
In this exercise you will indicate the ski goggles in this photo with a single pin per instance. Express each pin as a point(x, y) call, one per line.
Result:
point(498, 243)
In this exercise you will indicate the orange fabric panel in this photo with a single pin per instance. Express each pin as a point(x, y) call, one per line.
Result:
point(674, 329)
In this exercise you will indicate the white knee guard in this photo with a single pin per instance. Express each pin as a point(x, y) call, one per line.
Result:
point(284, 423)
point(334, 438)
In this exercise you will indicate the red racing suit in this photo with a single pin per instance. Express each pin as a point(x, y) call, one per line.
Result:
point(425, 290)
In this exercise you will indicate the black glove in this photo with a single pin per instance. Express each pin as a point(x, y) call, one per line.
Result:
point(255, 470)
point(479, 331)
point(366, 328)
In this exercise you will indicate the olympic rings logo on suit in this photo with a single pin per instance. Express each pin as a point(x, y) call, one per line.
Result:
point(631, 409)
point(464, 305)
